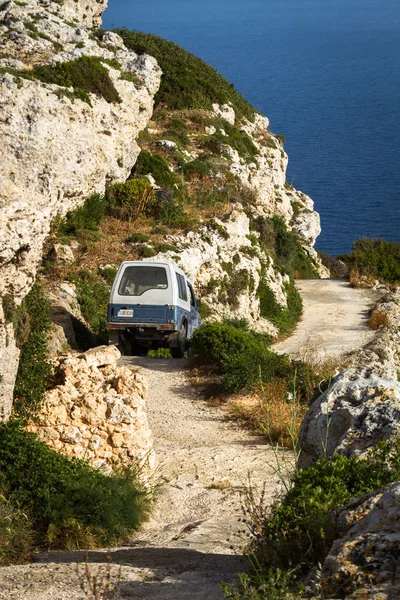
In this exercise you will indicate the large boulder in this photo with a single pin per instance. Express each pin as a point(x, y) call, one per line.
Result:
point(360, 408)
point(364, 564)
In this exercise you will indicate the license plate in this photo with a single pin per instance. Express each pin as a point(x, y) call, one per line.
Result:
point(123, 312)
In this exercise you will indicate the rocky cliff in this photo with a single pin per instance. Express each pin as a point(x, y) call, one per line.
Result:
point(73, 102)
point(57, 148)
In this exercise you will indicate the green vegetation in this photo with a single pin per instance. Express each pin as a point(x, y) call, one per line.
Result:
point(284, 318)
point(237, 139)
point(157, 166)
point(86, 75)
point(93, 293)
point(284, 246)
point(300, 530)
point(242, 357)
point(375, 258)
point(67, 504)
point(32, 381)
point(187, 81)
point(130, 199)
point(86, 217)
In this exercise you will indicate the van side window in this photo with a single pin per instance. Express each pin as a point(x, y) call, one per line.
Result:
point(192, 296)
point(182, 287)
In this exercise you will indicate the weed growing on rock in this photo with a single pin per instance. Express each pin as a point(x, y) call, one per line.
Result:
point(34, 369)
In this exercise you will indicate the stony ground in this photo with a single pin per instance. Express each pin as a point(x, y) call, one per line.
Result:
point(193, 541)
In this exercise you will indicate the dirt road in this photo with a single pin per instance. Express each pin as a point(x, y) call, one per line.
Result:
point(194, 539)
point(334, 321)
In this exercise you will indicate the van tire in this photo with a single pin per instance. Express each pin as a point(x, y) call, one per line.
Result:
point(179, 351)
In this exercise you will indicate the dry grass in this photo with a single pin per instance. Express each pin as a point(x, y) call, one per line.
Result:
point(377, 319)
point(272, 412)
point(361, 280)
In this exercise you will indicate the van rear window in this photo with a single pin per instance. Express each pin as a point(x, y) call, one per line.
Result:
point(138, 279)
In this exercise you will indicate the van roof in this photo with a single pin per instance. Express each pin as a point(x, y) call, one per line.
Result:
point(152, 263)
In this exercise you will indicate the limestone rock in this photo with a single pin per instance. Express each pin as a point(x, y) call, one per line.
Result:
point(65, 314)
point(360, 408)
point(365, 563)
point(46, 168)
point(85, 12)
point(62, 253)
point(98, 412)
point(203, 256)
point(225, 112)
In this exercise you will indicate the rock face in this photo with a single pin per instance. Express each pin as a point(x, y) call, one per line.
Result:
point(364, 563)
point(98, 411)
point(57, 150)
point(359, 409)
point(216, 259)
point(85, 12)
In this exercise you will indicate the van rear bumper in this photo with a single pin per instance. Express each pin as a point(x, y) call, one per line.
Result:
point(170, 327)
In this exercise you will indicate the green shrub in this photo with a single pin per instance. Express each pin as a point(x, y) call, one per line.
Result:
point(138, 238)
point(205, 311)
point(88, 216)
point(187, 81)
point(284, 318)
point(71, 504)
point(242, 358)
point(285, 246)
point(33, 369)
point(16, 532)
point(160, 353)
point(299, 531)
point(157, 166)
point(375, 257)
point(195, 167)
point(236, 138)
point(93, 296)
point(130, 199)
point(86, 75)
point(336, 267)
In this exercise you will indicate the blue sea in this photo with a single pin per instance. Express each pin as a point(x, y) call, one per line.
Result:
point(326, 73)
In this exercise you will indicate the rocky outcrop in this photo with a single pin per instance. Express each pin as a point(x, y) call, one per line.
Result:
point(216, 259)
point(56, 149)
point(97, 412)
point(359, 409)
point(364, 563)
point(84, 12)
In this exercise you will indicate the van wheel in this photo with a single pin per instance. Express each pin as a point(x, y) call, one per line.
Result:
point(179, 351)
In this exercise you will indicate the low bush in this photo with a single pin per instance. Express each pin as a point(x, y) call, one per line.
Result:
point(285, 246)
point(187, 81)
point(93, 295)
point(336, 267)
point(16, 532)
point(377, 319)
point(241, 357)
point(284, 318)
point(299, 531)
point(86, 75)
point(130, 199)
point(157, 166)
point(70, 504)
point(88, 216)
point(34, 368)
point(375, 258)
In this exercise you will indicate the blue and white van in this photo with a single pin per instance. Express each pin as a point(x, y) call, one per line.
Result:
point(152, 304)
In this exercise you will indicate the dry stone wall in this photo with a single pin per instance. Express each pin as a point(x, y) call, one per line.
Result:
point(97, 412)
